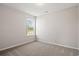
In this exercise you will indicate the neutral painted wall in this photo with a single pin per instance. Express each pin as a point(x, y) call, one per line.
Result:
point(78, 27)
point(12, 27)
point(59, 27)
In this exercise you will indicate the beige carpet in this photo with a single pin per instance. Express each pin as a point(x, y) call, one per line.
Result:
point(39, 49)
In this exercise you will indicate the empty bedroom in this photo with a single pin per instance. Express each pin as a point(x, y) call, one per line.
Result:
point(39, 29)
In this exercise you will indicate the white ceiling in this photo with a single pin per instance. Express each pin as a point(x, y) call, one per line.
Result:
point(36, 10)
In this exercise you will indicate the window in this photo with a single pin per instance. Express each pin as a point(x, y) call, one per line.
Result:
point(30, 26)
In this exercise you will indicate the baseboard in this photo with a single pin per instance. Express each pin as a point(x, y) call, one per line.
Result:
point(35, 41)
point(16, 45)
point(66, 46)
point(59, 45)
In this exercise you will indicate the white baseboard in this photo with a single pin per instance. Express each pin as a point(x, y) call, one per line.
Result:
point(59, 45)
point(16, 45)
point(34, 41)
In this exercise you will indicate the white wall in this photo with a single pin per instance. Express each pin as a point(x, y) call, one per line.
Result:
point(78, 27)
point(59, 27)
point(12, 27)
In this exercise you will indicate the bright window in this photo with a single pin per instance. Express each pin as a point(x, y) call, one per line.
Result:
point(30, 25)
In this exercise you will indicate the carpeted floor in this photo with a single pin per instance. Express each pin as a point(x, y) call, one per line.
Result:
point(39, 49)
